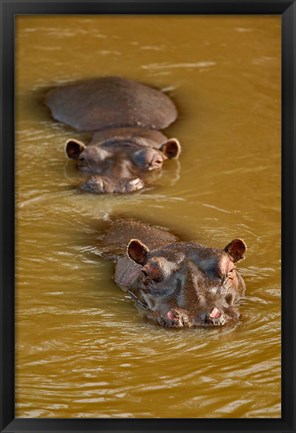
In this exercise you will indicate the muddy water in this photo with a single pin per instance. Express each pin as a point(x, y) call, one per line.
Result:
point(82, 349)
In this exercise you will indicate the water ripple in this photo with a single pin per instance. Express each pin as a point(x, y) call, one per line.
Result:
point(164, 65)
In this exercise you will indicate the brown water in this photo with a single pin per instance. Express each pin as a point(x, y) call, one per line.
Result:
point(82, 349)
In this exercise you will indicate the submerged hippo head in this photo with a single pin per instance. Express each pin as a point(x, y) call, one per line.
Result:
point(119, 165)
point(184, 284)
point(125, 118)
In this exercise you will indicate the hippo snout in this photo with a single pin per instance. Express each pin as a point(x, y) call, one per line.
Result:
point(105, 185)
point(178, 318)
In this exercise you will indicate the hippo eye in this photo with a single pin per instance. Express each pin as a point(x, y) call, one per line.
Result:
point(157, 278)
point(144, 272)
point(81, 158)
point(152, 272)
point(230, 274)
point(229, 299)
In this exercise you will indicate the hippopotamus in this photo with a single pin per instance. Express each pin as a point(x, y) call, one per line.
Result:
point(124, 118)
point(172, 282)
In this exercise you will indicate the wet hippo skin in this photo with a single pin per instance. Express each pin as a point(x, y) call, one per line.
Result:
point(172, 282)
point(125, 118)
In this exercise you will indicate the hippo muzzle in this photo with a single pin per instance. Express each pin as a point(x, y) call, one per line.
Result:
point(105, 185)
point(179, 318)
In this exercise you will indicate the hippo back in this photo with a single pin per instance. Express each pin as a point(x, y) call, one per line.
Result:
point(114, 235)
point(99, 103)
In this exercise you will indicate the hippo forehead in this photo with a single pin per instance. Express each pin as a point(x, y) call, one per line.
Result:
point(186, 273)
point(214, 262)
point(93, 152)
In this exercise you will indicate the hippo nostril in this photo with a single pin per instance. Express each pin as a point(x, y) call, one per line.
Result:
point(134, 181)
point(96, 185)
point(131, 185)
point(171, 315)
point(215, 318)
point(177, 318)
point(229, 299)
point(215, 313)
point(157, 162)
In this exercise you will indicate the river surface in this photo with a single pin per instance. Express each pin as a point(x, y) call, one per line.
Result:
point(82, 350)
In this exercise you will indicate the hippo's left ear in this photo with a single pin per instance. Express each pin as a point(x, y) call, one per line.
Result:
point(74, 148)
point(137, 251)
point(236, 249)
point(171, 148)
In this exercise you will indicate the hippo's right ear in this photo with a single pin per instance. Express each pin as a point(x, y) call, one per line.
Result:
point(236, 249)
point(137, 251)
point(171, 148)
point(74, 148)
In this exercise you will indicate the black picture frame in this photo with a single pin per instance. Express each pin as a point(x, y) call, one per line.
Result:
point(9, 10)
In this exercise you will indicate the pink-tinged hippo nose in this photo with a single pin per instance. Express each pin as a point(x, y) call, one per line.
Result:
point(215, 313)
point(175, 318)
point(170, 315)
point(215, 318)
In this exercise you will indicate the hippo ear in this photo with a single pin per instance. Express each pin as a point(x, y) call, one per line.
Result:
point(236, 249)
point(137, 251)
point(74, 148)
point(171, 148)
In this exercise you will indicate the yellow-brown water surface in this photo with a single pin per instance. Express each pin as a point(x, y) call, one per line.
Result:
point(82, 350)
